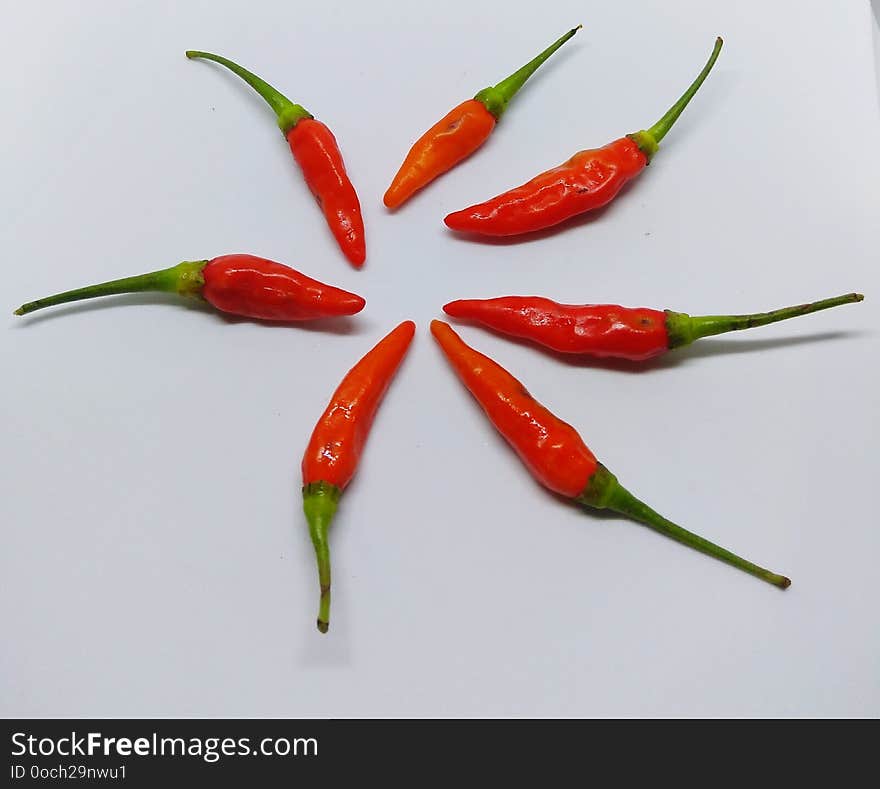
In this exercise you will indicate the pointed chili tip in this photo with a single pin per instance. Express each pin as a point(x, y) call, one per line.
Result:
point(444, 334)
point(394, 197)
point(407, 327)
point(323, 626)
point(19, 311)
point(456, 220)
point(356, 252)
point(352, 304)
point(454, 308)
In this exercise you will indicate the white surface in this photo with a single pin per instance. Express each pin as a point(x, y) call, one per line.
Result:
point(875, 4)
point(155, 559)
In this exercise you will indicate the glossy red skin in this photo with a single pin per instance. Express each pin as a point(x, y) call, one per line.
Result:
point(315, 149)
point(453, 138)
point(259, 288)
point(588, 180)
point(601, 330)
point(339, 437)
point(550, 448)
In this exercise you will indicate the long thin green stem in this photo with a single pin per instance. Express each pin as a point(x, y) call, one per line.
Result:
point(289, 114)
point(322, 553)
point(605, 492)
point(683, 329)
point(184, 278)
point(649, 139)
point(498, 97)
point(320, 500)
point(659, 129)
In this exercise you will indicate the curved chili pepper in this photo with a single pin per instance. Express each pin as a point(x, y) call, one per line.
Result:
point(611, 331)
point(335, 447)
point(239, 284)
point(460, 132)
point(556, 455)
point(588, 180)
point(315, 149)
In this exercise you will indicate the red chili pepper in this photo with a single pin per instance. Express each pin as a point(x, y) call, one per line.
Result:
point(459, 133)
point(608, 330)
point(556, 455)
point(239, 284)
point(315, 149)
point(335, 447)
point(588, 180)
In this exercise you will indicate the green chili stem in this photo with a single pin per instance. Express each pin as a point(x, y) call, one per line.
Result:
point(649, 139)
point(289, 114)
point(659, 129)
point(184, 278)
point(498, 97)
point(605, 492)
point(320, 500)
point(683, 329)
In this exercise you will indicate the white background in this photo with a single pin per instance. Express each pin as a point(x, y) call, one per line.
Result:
point(155, 560)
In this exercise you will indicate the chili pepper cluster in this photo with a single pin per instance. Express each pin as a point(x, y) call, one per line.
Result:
point(551, 449)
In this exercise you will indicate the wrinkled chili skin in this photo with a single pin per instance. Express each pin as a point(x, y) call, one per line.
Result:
point(589, 180)
point(258, 288)
point(453, 138)
point(550, 448)
point(316, 151)
point(338, 439)
point(600, 330)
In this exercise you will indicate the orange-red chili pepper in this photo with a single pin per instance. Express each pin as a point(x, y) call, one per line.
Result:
point(239, 284)
point(609, 330)
point(460, 132)
point(335, 447)
point(588, 180)
point(556, 455)
point(315, 149)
